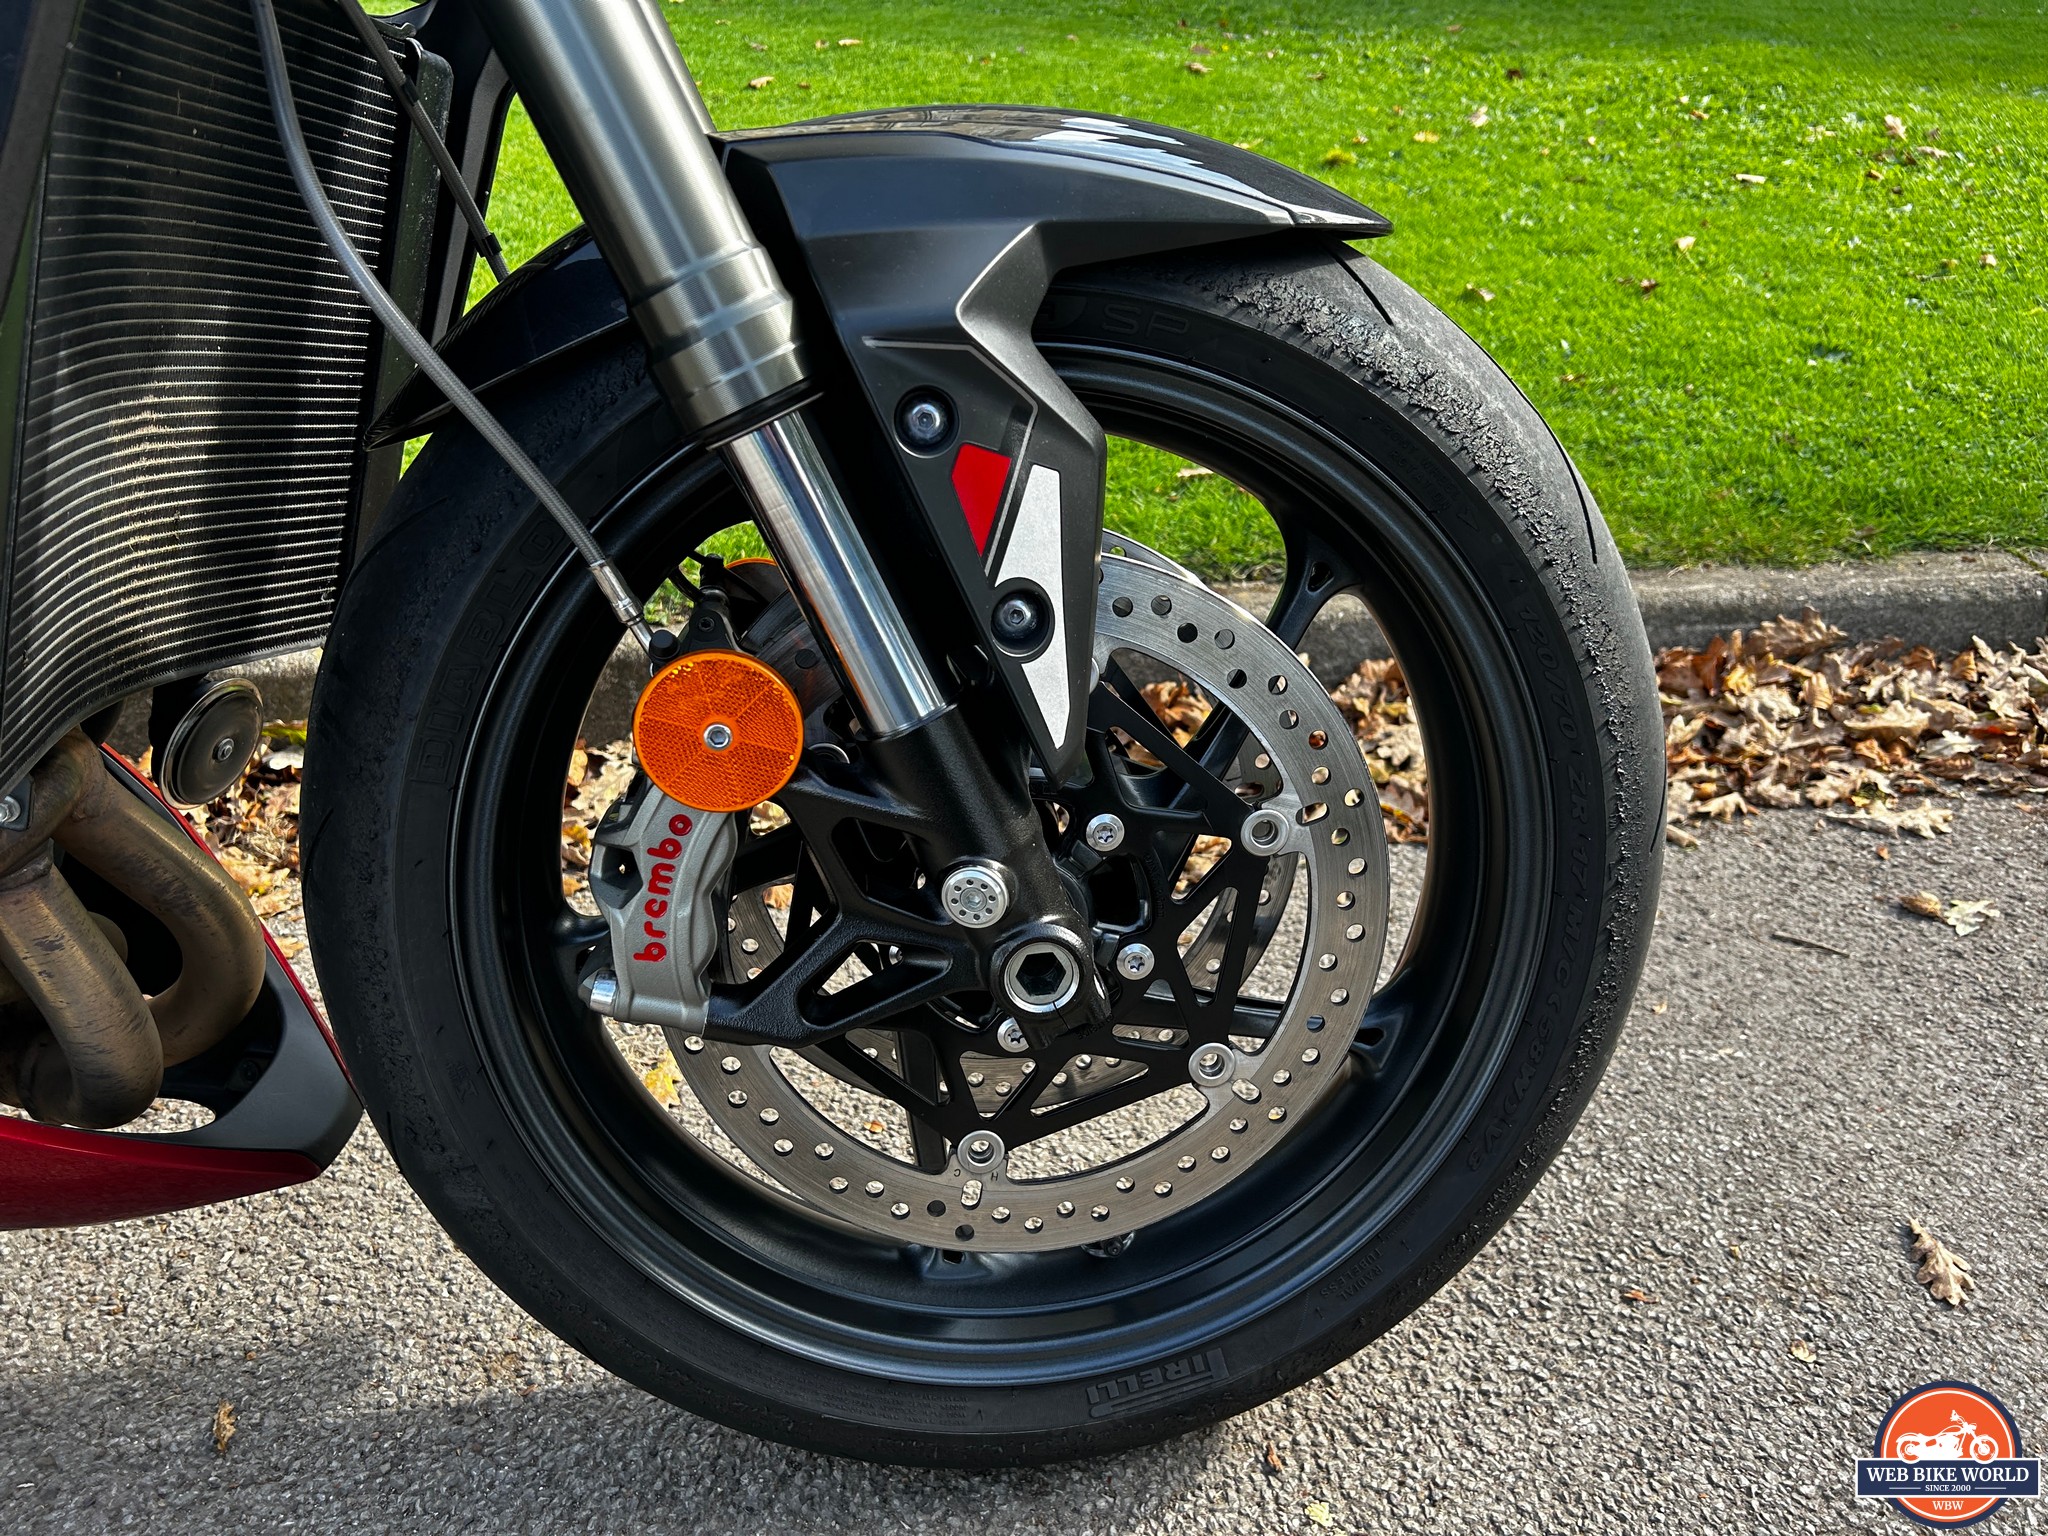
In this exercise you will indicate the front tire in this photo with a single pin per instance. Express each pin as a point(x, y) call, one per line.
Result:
point(1400, 464)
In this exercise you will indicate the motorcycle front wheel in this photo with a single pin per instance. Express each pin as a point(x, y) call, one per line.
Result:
point(1400, 467)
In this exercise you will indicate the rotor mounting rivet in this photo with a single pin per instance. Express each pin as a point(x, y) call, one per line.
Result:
point(1134, 962)
point(1265, 829)
point(1105, 832)
point(981, 1151)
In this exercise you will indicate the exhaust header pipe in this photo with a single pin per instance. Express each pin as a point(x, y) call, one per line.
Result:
point(94, 1056)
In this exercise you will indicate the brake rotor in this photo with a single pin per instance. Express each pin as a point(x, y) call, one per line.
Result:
point(803, 1134)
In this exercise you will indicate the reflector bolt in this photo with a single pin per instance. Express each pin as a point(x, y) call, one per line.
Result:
point(717, 737)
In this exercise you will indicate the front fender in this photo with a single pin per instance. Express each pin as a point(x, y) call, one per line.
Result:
point(930, 236)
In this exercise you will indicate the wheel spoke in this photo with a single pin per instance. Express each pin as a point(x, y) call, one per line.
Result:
point(1315, 574)
point(767, 858)
point(1019, 1122)
point(1108, 711)
point(878, 1079)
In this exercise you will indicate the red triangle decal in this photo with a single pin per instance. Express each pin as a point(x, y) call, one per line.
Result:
point(979, 475)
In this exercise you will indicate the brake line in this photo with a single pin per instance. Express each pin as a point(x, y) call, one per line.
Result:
point(270, 45)
point(408, 99)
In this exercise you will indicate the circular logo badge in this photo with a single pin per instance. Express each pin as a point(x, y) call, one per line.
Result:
point(1948, 1454)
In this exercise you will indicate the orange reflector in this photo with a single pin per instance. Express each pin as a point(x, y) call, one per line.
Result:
point(718, 731)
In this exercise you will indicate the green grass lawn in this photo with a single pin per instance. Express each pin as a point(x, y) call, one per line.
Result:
point(1839, 356)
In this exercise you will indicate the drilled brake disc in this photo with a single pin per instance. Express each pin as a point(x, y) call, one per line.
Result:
point(801, 1130)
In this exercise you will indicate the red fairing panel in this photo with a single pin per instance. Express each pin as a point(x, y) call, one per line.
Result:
point(52, 1176)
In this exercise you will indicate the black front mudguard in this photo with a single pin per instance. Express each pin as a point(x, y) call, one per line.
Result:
point(927, 238)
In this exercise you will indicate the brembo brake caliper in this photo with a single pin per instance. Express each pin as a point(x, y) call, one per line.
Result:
point(657, 878)
point(716, 733)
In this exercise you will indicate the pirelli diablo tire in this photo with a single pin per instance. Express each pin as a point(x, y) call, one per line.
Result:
point(1400, 465)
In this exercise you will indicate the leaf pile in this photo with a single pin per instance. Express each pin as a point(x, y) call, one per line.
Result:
point(597, 777)
point(254, 827)
point(1375, 700)
point(1792, 714)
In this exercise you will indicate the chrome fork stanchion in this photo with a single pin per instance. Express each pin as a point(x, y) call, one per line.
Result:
point(812, 534)
point(627, 127)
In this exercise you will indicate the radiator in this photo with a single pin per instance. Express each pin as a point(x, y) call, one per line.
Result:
point(197, 367)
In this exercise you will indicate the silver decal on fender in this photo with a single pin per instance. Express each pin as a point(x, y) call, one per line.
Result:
point(1033, 554)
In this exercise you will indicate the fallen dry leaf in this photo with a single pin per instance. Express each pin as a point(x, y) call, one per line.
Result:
point(1799, 1349)
point(661, 1079)
point(1944, 1272)
point(1318, 1512)
point(1197, 67)
point(1480, 117)
point(223, 1427)
point(1685, 242)
point(760, 82)
point(1965, 917)
point(1921, 819)
point(1987, 260)
point(1424, 136)
point(1273, 1462)
point(1750, 178)
point(1894, 127)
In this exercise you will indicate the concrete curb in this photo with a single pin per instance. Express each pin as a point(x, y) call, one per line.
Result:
point(1937, 600)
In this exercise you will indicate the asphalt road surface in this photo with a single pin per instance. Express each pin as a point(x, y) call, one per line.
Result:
point(1619, 1359)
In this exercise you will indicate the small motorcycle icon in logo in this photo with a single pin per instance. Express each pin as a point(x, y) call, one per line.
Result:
point(1959, 1440)
point(1948, 1454)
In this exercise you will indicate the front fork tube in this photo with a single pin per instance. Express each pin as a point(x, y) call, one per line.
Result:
point(628, 131)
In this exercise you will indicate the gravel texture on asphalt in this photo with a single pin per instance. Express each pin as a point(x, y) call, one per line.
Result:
point(1616, 1360)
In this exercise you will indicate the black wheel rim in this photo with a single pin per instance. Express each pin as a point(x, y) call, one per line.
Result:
point(650, 1191)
